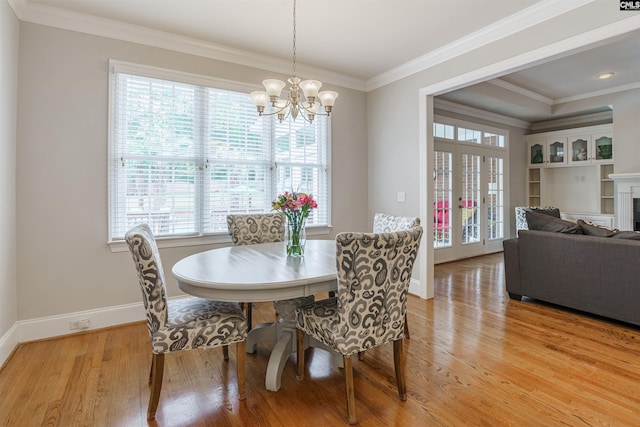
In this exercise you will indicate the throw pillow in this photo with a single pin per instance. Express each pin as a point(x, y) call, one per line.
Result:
point(547, 210)
point(630, 235)
point(543, 222)
point(521, 219)
point(591, 229)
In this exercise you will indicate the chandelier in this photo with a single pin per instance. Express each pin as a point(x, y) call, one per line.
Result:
point(294, 102)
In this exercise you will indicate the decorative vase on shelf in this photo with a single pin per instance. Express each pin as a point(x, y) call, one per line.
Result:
point(537, 158)
point(295, 237)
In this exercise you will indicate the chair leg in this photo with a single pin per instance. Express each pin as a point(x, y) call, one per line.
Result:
point(300, 354)
point(225, 352)
point(153, 362)
point(351, 397)
point(398, 361)
point(406, 327)
point(157, 371)
point(247, 308)
point(241, 349)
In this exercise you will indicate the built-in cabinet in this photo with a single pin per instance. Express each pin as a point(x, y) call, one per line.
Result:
point(547, 152)
point(570, 169)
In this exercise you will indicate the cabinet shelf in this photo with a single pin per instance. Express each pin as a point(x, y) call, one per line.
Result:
point(570, 169)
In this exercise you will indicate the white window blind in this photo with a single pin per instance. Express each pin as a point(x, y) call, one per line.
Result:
point(183, 156)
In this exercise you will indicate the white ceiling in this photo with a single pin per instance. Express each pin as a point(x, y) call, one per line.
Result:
point(359, 38)
point(359, 42)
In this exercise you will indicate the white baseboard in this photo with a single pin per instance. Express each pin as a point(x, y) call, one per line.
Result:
point(8, 342)
point(414, 288)
point(51, 326)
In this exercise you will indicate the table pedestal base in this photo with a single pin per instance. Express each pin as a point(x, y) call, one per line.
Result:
point(283, 333)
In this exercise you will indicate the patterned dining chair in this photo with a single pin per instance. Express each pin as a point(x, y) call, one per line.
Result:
point(183, 324)
point(373, 270)
point(252, 229)
point(383, 223)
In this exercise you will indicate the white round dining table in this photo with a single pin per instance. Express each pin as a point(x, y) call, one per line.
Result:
point(263, 272)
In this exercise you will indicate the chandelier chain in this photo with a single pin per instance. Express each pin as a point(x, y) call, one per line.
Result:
point(294, 38)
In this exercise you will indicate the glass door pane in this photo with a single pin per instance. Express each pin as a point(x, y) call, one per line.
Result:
point(442, 187)
point(470, 199)
point(495, 198)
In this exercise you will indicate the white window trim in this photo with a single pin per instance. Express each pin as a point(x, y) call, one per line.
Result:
point(475, 126)
point(208, 239)
point(117, 66)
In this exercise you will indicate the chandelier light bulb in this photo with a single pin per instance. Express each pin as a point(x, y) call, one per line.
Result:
point(328, 98)
point(274, 88)
point(261, 99)
point(310, 88)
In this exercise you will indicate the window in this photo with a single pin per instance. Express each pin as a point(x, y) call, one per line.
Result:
point(185, 151)
point(467, 135)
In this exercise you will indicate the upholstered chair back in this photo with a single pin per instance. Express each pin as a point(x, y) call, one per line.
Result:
point(374, 271)
point(146, 257)
point(383, 223)
point(252, 229)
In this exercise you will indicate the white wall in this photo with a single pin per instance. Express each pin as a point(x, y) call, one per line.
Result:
point(64, 263)
point(9, 31)
point(394, 123)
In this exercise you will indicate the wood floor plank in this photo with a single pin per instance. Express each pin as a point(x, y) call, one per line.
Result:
point(475, 357)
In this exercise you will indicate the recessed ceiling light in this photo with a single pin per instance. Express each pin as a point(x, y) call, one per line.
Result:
point(605, 75)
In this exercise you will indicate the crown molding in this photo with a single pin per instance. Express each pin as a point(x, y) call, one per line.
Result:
point(88, 24)
point(572, 122)
point(549, 101)
point(533, 15)
point(602, 92)
point(18, 7)
point(539, 12)
point(444, 105)
point(521, 91)
point(524, 60)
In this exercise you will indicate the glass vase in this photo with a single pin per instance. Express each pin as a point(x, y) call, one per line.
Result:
point(295, 237)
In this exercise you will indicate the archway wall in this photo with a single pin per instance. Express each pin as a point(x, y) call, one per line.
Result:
point(399, 140)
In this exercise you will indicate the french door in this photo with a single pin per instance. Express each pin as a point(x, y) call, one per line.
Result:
point(469, 200)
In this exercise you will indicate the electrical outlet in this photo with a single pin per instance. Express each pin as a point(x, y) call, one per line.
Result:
point(401, 196)
point(80, 324)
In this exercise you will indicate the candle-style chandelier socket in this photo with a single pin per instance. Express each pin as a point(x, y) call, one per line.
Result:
point(294, 102)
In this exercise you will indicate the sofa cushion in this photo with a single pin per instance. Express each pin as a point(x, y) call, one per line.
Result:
point(521, 220)
point(630, 235)
point(543, 222)
point(591, 229)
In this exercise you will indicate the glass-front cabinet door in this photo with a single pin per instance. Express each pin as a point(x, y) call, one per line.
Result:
point(580, 147)
point(603, 148)
point(536, 153)
point(556, 150)
point(593, 148)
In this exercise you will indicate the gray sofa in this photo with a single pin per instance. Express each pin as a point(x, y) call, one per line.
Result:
point(599, 275)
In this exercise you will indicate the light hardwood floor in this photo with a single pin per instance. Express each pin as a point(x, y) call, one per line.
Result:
point(474, 358)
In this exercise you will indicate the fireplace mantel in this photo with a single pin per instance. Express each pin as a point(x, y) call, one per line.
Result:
point(627, 187)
